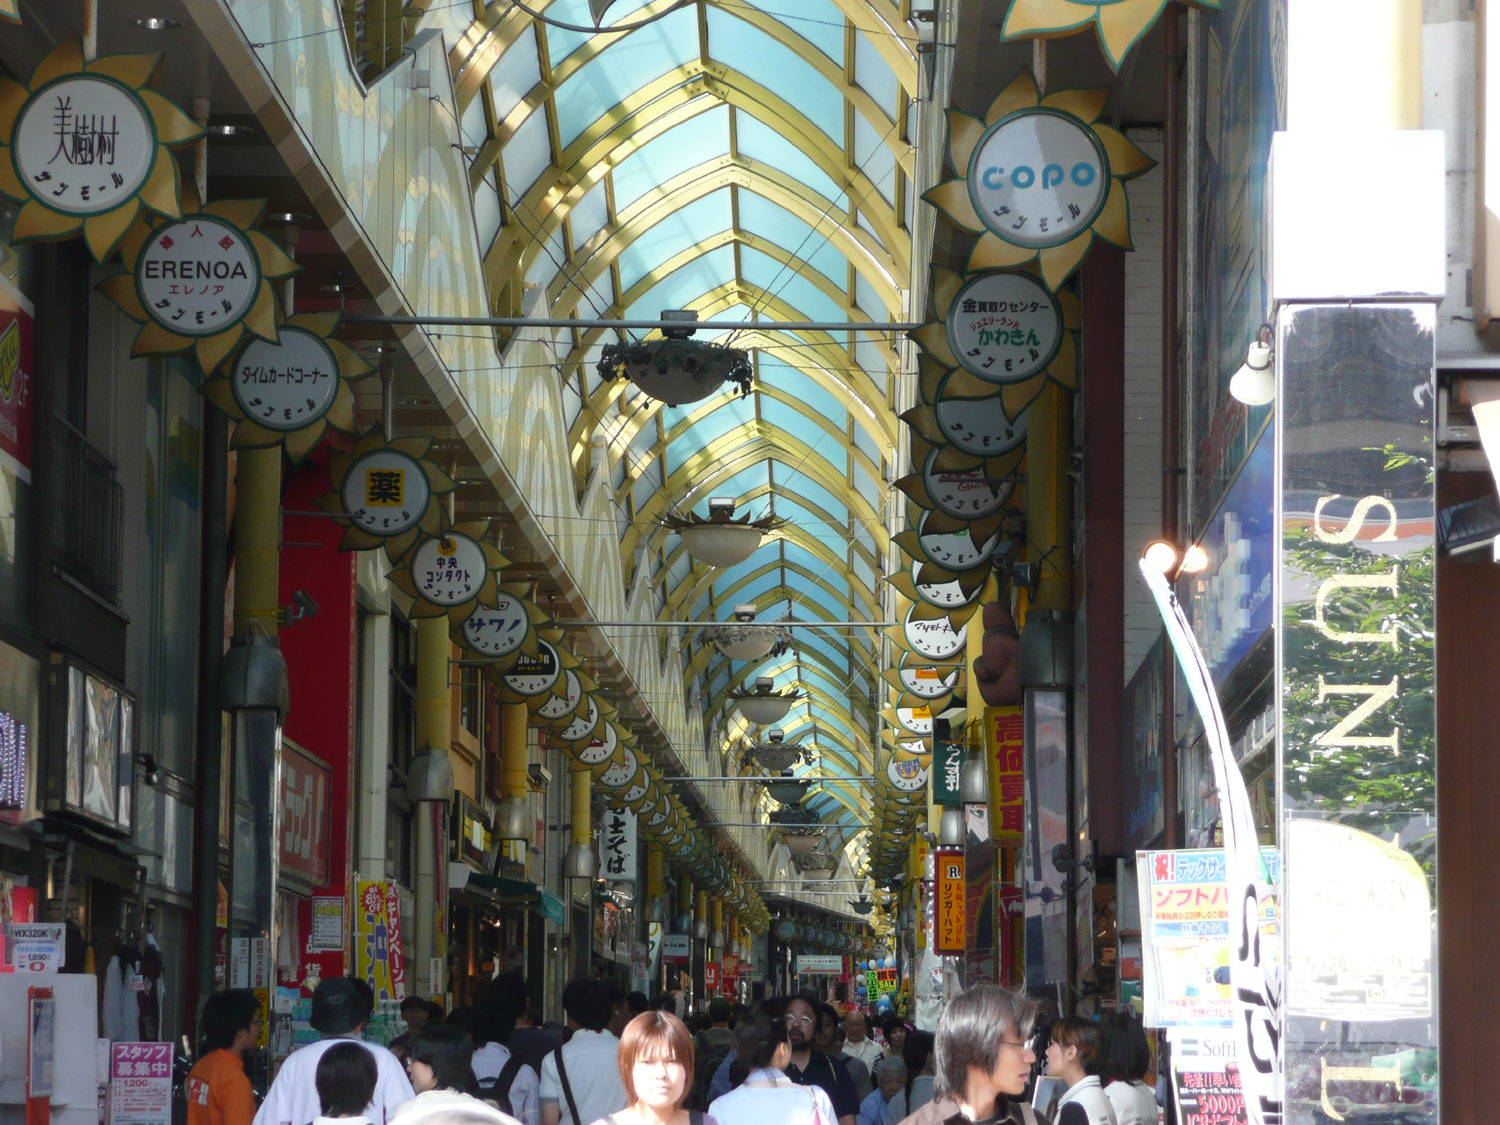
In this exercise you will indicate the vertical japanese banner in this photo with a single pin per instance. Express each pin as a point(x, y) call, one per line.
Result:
point(949, 889)
point(947, 765)
point(1004, 732)
point(41, 1027)
point(377, 939)
point(617, 845)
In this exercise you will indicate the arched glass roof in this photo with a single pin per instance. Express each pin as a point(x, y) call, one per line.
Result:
point(749, 161)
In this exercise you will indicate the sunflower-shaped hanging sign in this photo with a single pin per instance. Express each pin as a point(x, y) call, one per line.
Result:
point(505, 626)
point(1042, 177)
point(200, 281)
point(291, 389)
point(533, 677)
point(85, 145)
point(953, 544)
point(1119, 23)
point(958, 484)
point(452, 572)
point(385, 493)
point(916, 680)
point(559, 709)
point(1008, 334)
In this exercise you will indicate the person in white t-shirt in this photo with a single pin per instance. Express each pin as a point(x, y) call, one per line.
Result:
point(340, 1008)
point(580, 1080)
point(857, 1041)
point(345, 1080)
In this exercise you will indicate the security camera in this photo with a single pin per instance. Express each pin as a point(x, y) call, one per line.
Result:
point(721, 505)
point(745, 612)
point(302, 606)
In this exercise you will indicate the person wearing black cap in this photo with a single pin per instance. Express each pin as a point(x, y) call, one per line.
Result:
point(340, 1008)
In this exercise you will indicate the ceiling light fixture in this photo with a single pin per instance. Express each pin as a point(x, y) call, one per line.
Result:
point(224, 129)
point(156, 23)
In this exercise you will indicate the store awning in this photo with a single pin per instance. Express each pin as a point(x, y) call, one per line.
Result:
point(506, 892)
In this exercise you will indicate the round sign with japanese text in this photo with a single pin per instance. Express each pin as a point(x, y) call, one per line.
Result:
point(198, 276)
point(583, 724)
point(907, 775)
point(1005, 327)
point(636, 791)
point(978, 426)
point(600, 750)
point(535, 675)
point(968, 494)
point(944, 595)
point(562, 705)
point(917, 720)
point(955, 550)
point(934, 637)
point(1038, 177)
point(657, 818)
point(449, 569)
point(497, 630)
point(385, 493)
point(619, 774)
point(84, 145)
point(928, 682)
point(287, 384)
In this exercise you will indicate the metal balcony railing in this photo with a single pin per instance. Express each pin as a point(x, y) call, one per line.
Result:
point(87, 512)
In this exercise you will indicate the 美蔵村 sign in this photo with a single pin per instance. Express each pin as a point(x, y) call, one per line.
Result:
point(84, 145)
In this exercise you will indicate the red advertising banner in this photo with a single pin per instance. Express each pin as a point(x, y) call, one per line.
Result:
point(17, 352)
point(1004, 736)
point(710, 976)
point(19, 907)
point(305, 804)
point(730, 968)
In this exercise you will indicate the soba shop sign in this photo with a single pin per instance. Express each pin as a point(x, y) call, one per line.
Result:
point(198, 276)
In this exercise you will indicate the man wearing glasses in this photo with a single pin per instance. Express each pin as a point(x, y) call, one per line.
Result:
point(811, 1067)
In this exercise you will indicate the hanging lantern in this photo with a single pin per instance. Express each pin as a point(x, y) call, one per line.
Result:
point(721, 540)
point(775, 754)
point(748, 641)
point(764, 705)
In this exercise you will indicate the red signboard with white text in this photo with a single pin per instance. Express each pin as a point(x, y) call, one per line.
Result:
point(17, 349)
point(305, 802)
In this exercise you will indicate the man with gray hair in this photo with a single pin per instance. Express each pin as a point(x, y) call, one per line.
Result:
point(984, 1060)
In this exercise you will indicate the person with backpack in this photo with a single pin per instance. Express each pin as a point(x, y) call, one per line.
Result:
point(711, 1046)
point(581, 1079)
point(984, 1059)
point(502, 1075)
point(656, 1062)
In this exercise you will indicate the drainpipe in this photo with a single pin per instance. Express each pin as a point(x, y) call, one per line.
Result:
point(1171, 452)
point(429, 785)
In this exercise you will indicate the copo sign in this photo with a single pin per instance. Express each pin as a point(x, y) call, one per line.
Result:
point(1038, 178)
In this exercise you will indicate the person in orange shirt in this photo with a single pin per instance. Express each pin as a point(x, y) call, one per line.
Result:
point(218, 1089)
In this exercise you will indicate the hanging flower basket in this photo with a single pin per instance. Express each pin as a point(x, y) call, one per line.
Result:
point(749, 642)
point(764, 705)
point(721, 540)
point(786, 790)
point(678, 371)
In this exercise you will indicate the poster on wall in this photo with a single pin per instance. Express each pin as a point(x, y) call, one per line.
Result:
point(1184, 903)
point(140, 1084)
point(1206, 1079)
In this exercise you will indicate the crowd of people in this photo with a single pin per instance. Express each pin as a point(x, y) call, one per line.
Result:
point(624, 1060)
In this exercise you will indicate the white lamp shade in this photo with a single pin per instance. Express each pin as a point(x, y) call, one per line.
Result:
point(675, 387)
point(764, 710)
point(721, 544)
point(746, 642)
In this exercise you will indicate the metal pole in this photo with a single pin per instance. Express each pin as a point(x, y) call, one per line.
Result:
point(661, 325)
point(754, 777)
point(788, 827)
point(713, 624)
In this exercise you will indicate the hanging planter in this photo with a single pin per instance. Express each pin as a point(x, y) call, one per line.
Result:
point(818, 863)
point(776, 755)
point(748, 641)
point(802, 841)
point(678, 371)
point(764, 705)
point(720, 540)
point(787, 790)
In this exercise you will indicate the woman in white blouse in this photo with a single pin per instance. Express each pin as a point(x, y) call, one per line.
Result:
point(764, 1093)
